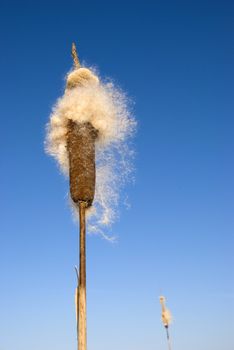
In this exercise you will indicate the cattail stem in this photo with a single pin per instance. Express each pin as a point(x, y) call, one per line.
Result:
point(82, 281)
point(168, 339)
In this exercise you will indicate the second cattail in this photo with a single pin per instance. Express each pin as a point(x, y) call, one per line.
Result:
point(166, 318)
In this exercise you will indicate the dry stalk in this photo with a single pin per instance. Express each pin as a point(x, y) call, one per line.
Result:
point(75, 57)
point(82, 328)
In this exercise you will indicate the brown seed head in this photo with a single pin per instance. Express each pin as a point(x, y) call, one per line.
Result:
point(81, 150)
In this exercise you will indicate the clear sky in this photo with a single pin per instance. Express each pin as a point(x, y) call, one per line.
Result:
point(175, 60)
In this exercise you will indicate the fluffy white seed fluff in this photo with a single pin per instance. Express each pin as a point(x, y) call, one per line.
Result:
point(166, 317)
point(87, 99)
point(166, 314)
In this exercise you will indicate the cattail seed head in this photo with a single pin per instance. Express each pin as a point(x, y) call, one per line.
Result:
point(92, 119)
point(81, 151)
point(81, 145)
point(166, 315)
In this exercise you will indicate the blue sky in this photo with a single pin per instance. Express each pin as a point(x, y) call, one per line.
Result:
point(175, 60)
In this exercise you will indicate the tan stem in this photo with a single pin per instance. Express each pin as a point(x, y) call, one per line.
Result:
point(168, 339)
point(82, 341)
point(75, 57)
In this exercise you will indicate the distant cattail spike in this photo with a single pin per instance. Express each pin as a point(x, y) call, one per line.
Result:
point(166, 315)
point(166, 319)
point(75, 57)
point(81, 150)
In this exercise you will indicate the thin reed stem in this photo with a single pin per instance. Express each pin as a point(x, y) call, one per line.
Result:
point(168, 339)
point(82, 331)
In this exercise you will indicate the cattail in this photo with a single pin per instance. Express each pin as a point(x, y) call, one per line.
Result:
point(91, 117)
point(88, 135)
point(74, 137)
point(166, 318)
point(166, 315)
